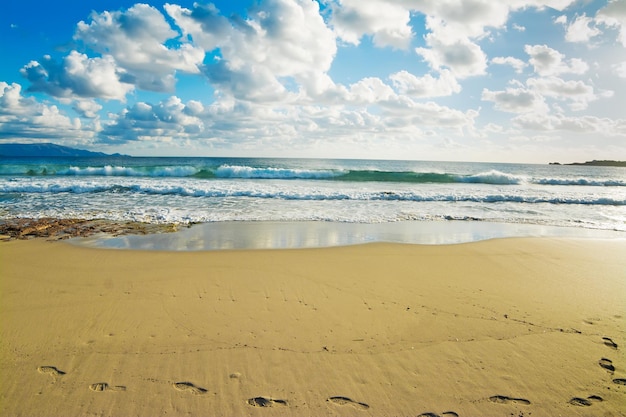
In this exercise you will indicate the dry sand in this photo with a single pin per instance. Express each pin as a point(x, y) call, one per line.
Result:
point(523, 327)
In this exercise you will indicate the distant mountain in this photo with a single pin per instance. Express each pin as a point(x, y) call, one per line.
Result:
point(47, 150)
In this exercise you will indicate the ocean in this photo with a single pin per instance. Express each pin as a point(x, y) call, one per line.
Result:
point(200, 190)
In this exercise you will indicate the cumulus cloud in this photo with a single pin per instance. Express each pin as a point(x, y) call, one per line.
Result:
point(614, 15)
point(369, 90)
point(516, 100)
point(620, 69)
point(464, 19)
point(204, 24)
point(577, 92)
point(87, 108)
point(580, 30)
point(77, 76)
point(425, 86)
point(516, 63)
point(583, 124)
point(25, 118)
point(136, 39)
point(463, 57)
point(531, 98)
point(547, 61)
point(454, 27)
point(134, 54)
point(279, 40)
point(386, 22)
point(561, 20)
point(258, 85)
point(435, 115)
point(161, 122)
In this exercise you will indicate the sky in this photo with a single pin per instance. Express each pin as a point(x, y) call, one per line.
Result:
point(530, 81)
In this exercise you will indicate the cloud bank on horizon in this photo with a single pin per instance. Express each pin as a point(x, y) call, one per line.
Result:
point(521, 80)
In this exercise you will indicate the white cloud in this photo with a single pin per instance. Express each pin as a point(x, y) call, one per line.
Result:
point(577, 92)
point(243, 124)
point(516, 63)
point(369, 90)
point(203, 23)
point(561, 20)
point(620, 69)
point(614, 15)
point(136, 39)
point(25, 118)
point(435, 115)
point(281, 39)
point(77, 76)
point(462, 56)
point(531, 98)
point(87, 108)
point(580, 30)
point(454, 26)
point(134, 55)
point(387, 22)
point(256, 83)
point(516, 100)
point(425, 86)
point(540, 4)
point(464, 19)
point(547, 61)
point(161, 122)
point(583, 124)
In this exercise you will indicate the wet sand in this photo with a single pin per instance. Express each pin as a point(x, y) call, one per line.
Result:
point(532, 327)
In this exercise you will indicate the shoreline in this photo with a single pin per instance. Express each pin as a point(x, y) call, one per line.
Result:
point(98, 233)
point(498, 327)
point(310, 235)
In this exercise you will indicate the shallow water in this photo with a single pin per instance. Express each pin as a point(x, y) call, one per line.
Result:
point(294, 235)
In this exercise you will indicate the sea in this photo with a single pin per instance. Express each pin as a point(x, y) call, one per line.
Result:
point(216, 190)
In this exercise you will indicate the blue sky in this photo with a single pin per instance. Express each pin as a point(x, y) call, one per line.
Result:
point(474, 80)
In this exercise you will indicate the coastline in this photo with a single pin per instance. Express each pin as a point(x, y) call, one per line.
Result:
point(496, 327)
point(310, 234)
point(109, 234)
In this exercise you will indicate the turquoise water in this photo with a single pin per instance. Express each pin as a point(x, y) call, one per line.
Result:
point(192, 190)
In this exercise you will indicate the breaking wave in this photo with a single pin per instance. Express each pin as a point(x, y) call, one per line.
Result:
point(492, 177)
point(302, 193)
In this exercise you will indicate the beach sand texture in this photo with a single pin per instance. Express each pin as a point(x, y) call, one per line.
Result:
point(523, 327)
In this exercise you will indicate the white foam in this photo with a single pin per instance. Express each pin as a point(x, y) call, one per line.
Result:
point(494, 177)
point(237, 171)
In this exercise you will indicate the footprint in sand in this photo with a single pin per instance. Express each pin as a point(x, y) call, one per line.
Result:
point(501, 399)
point(607, 364)
point(609, 342)
point(585, 402)
point(50, 370)
point(444, 414)
point(266, 402)
point(348, 401)
point(103, 386)
point(188, 387)
point(620, 381)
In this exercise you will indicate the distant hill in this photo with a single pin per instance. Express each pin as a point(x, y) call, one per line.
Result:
point(602, 163)
point(46, 149)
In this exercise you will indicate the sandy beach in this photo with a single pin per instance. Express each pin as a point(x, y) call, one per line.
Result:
point(522, 327)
